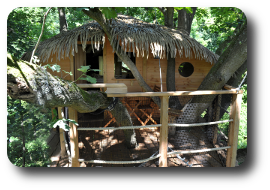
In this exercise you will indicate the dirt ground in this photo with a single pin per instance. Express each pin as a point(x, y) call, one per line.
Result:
point(110, 145)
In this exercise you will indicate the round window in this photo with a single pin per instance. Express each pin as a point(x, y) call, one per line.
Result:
point(186, 69)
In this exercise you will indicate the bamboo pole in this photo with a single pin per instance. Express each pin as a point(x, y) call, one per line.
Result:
point(74, 148)
point(233, 130)
point(163, 142)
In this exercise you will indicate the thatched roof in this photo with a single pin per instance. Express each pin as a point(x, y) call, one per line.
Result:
point(130, 32)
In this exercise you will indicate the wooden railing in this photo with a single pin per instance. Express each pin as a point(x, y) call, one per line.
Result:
point(113, 91)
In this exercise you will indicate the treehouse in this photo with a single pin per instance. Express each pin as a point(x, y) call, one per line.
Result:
point(148, 46)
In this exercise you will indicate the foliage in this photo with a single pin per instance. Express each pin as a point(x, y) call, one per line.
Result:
point(24, 26)
point(242, 135)
point(84, 76)
point(212, 26)
point(26, 121)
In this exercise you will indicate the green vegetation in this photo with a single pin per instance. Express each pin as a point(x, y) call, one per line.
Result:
point(28, 127)
point(242, 135)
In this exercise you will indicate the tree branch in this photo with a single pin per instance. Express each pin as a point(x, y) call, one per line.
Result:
point(33, 53)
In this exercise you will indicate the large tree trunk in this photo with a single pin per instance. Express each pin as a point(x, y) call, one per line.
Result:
point(229, 62)
point(170, 75)
point(185, 20)
point(62, 19)
point(34, 84)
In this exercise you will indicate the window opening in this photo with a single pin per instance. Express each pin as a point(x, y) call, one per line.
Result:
point(95, 60)
point(121, 70)
point(186, 69)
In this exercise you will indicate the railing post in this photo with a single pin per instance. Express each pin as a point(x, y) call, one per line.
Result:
point(163, 142)
point(73, 114)
point(233, 129)
point(61, 132)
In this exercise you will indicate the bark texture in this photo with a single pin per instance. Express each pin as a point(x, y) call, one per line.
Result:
point(230, 61)
point(34, 84)
point(62, 19)
point(185, 20)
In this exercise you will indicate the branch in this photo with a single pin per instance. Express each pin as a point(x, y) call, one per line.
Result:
point(33, 53)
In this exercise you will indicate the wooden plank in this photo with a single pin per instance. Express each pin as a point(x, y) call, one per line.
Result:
point(61, 133)
point(163, 142)
point(73, 114)
point(103, 85)
point(234, 129)
point(116, 90)
point(173, 93)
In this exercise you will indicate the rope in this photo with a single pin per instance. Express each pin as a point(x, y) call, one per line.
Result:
point(240, 85)
point(117, 128)
point(150, 126)
point(151, 158)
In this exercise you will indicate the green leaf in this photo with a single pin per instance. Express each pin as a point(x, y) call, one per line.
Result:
point(108, 12)
point(95, 70)
point(70, 73)
point(120, 9)
point(89, 79)
point(73, 121)
point(56, 68)
point(178, 8)
point(188, 9)
point(84, 69)
point(62, 124)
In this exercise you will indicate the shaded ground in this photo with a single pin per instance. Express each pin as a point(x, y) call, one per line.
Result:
point(109, 145)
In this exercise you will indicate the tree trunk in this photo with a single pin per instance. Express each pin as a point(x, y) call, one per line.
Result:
point(170, 75)
point(62, 19)
point(185, 20)
point(23, 140)
point(34, 84)
point(229, 62)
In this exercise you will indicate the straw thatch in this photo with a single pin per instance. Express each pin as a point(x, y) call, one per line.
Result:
point(130, 33)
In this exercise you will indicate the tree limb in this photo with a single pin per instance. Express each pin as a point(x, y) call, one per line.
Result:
point(33, 53)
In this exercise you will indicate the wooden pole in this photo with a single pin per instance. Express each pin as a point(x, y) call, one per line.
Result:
point(73, 114)
point(233, 129)
point(61, 133)
point(163, 142)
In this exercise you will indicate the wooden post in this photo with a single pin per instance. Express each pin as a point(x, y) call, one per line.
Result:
point(74, 148)
point(144, 67)
point(163, 142)
point(233, 129)
point(61, 133)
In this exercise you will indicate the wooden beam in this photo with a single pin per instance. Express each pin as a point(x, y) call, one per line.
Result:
point(73, 114)
point(174, 93)
point(105, 59)
point(103, 85)
point(163, 142)
point(144, 67)
point(233, 130)
point(61, 133)
point(228, 87)
point(71, 60)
